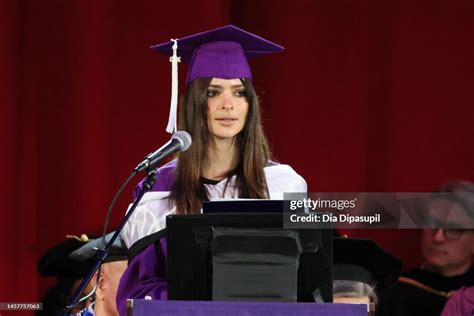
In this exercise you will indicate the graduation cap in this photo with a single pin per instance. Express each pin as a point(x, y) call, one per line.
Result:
point(56, 261)
point(218, 53)
point(364, 261)
point(117, 252)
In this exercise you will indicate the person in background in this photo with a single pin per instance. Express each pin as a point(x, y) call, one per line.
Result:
point(447, 254)
point(111, 270)
point(56, 263)
point(229, 156)
point(362, 270)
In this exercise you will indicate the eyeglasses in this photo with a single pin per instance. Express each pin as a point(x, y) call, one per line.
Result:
point(449, 233)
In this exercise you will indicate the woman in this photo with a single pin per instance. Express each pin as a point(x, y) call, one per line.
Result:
point(229, 157)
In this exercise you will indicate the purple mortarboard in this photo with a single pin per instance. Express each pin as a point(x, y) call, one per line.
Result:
point(218, 53)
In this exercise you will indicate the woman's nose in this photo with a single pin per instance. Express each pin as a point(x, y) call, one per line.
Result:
point(227, 101)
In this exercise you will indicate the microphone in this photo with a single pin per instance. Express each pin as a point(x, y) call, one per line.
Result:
point(180, 141)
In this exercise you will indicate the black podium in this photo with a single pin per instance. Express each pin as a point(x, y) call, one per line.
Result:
point(241, 254)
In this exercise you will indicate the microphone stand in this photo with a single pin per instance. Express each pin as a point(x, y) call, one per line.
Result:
point(101, 254)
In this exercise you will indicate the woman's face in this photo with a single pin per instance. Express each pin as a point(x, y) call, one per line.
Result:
point(227, 108)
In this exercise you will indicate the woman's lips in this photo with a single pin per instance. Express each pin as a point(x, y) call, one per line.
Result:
point(226, 121)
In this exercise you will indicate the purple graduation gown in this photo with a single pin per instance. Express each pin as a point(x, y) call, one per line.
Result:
point(461, 303)
point(145, 274)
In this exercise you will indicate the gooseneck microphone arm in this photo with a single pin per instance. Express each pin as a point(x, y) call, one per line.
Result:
point(180, 141)
point(101, 254)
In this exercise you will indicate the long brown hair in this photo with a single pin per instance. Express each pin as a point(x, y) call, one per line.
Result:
point(188, 191)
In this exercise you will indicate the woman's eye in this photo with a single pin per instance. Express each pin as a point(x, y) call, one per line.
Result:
point(211, 93)
point(241, 93)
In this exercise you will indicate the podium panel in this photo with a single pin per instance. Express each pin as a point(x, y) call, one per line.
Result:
point(219, 308)
point(192, 239)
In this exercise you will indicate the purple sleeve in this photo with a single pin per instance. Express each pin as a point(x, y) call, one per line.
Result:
point(164, 179)
point(144, 276)
point(460, 304)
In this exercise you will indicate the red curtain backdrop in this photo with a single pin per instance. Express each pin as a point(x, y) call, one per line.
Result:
point(368, 96)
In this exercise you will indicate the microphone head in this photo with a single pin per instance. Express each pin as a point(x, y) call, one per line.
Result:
point(184, 139)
